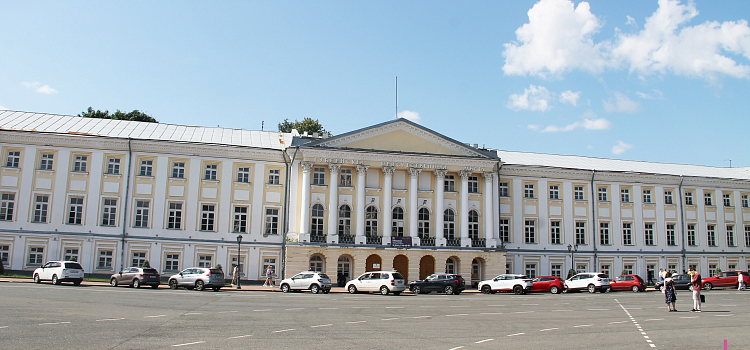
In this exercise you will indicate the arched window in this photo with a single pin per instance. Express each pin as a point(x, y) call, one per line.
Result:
point(450, 265)
point(316, 225)
point(449, 224)
point(423, 228)
point(371, 221)
point(317, 263)
point(473, 224)
point(397, 222)
point(345, 220)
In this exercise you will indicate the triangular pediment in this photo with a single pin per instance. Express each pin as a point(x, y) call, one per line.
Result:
point(400, 135)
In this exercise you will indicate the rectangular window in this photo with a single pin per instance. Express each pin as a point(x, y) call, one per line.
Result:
point(345, 178)
point(688, 198)
point(745, 201)
point(578, 193)
point(41, 207)
point(668, 197)
point(274, 176)
point(178, 170)
point(75, 212)
point(730, 236)
point(580, 232)
point(138, 259)
point(80, 164)
point(36, 256)
point(105, 259)
point(13, 160)
point(319, 176)
point(648, 233)
point(46, 161)
point(554, 192)
point(711, 235)
point(530, 231)
point(7, 206)
point(505, 230)
point(711, 270)
point(205, 261)
point(708, 198)
point(71, 254)
point(627, 269)
point(747, 236)
point(272, 221)
point(240, 219)
point(508, 268)
point(172, 262)
point(604, 268)
point(727, 199)
point(646, 196)
point(531, 270)
point(208, 215)
point(109, 212)
point(113, 166)
point(141, 213)
point(473, 184)
point(625, 195)
point(555, 236)
point(604, 233)
point(528, 191)
point(146, 167)
point(627, 233)
point(691, 235)
point(671, 237)
point(210, 172)
point(243, 174)
point(4, 255)
point(450, 183)
point(603, 197)
point(503, 186)
point(174, 218)
point(556, 270)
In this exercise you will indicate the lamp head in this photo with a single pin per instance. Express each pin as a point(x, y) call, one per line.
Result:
point(239, 239)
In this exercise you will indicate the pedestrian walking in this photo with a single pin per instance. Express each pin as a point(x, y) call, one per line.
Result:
point(740, 281)
point(696, 285)
point(669, 295)
point(235, 274)
point(661, 275)
point(269, 277)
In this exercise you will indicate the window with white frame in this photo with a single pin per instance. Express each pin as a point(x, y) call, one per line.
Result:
point(449, 224)
point(473, 184)
point(239, 223)
point(450, 265)
point(648, 233)
point(316, 223)
point(174, 216)
point(243, 174)
point(274, 176)
point(503, 189)
point(138, 258)
point(691, 240)
point(727, 199)
point(556, 270)
point(211, 171)
point(449, 184)
point(172, 262)
point(41, 208)
point(142, 211)
point(423, 223)
point(208, 217)
point(578, 193)
point(508, 268)
point(13, 160)
point(528, 191)
point(5, 254)
point(397, 222)
point(668, 197)
point(205, 261)
point(603, 194)
point(46, 161)
point(345, 178)
point(105, 259)
point(80, 163)
point(371, 222)
point(688, 198)
point(580, 232)
point(712, 269)
point(708, 198)
point(554, 192)
point(473, 224)
point(319, 176)
point(113, 166)
point(504, 230)
point(646, 196)
point(529, 229)
point(316, 263)
point(272, 221)
point(745, 201)
point(625, 195)
point(580, 268)
point(109, 212)
point(269, 262)
point(71, 254)
point(555, 232)
point(627, 233)
point(147, 166)
point(730, 236)
point(671, 237)
point(178, 170)
point(240, 264)
point(604, 233)
point(711, 235)
point(345, 220)
point(531, 270)
point(7, 206)
point(747, 235)
point(75, 211)
point(36, 256)
point(605, 269)
point(627, 269)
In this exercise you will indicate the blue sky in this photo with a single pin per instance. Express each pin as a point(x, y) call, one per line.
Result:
point(662, 81)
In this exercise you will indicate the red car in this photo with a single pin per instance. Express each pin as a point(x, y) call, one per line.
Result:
point(725, 279)
point(550, 284)
point(628, 282)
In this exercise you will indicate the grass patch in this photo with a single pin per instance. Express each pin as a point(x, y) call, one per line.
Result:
point(16, 276)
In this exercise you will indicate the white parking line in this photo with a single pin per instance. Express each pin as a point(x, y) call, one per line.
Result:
point(328, 308)
point(457, 306)
point(654, 319)
point(583, 325)
point(110, 319)
point(263, 310)
point(724, 315)
point(226, 312)
point(495, 305)
point(389, 319)
point(689, 317)
point(456, 348)
point(394, 307)
point(548, 329)
point(3, 327)
point(457, 315)
point(322, 325)
point(154, 316)
point(350, 322)
point(513, 335)
point(192, 313)
point(598, 309)
point(529, 304)
point(360, 307)
point(524, 312)
point(284, 330)
point(53, 323)
point(422, 317)
point(490, 313)
point(241, 336)
point(483, 341)
point(193, 343)
point(295, 308)
point(618, 322)
point(561, 310)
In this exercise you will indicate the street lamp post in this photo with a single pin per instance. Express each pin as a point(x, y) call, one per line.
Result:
point(239, 241)
point(572, 249)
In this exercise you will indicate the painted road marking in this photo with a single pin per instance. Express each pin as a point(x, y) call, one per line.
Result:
point(262, 310)
point(240, 336)
point(285, 330)
point(328, 308)
point(529, 304)
point(583, 325)
point(654, 319)
point(513, 335)
point(421, 316)
point(495, 305)
point(457, 315)
point(456, 348)
point(322, 325)
point(389, 319)
point(650, 343)
point(394, 307)
point(110, 319)
point(53, 323)
point(561, 310)
point(193, 343)
point(360, 307)
point(618, 322)
point(483, 341)
point(724, 315)
point(226, 312)
point(548, 329)
point(295, 308)
point(689, 316)
point(524, 312)
point(3, 327)
point(356, 322)
point(154, 316)
point(598, 309)
point(491, 313)
point(192, 313)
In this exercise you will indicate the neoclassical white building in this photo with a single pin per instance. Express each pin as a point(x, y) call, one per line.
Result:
point(394, 195)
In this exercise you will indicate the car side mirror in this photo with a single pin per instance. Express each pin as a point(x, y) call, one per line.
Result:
point(180, 273)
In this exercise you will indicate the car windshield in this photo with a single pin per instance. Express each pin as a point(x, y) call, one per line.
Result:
point(73, 265)
point(397, 276)
point(322, 275)
point(601, 275)
point(217, 272)
point(151, 271)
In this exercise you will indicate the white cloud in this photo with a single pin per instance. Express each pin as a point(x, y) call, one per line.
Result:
point(533, 127)
point(570, 97)
point(45, 89)
point(631, 21)
point(621, 147)
point(621, 103)
point(409, 115)
point(535, 98)
point(656, 95)
point(586, 124)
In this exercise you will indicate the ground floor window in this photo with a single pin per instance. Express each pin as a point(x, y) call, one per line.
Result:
point(205, 261)
point(105, 259)
point(531, 270)
point(36, 256)
point(556, 270)
point(71, 254)
point(316, 263)
point(240, 267)
point(508, 268)
point(269, 262)
point(139, 258)
point(4, 252)
point(711, 270)
point(172, 262)
point(605, 270)
point(582, 268)
point(627, 269)
point(450, 265)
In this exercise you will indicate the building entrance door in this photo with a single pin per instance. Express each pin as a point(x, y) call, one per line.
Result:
point(426, 266)
point(344, 273)
point(401, 264)
point(373, 263)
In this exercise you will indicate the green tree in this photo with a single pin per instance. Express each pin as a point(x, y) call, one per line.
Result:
point(308, 124)
point(135, 115)
point(572, 272)
point(146, 265)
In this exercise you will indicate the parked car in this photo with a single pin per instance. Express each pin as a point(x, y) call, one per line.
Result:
point(628, 282)
point(681, 281)
point(135, 277)
point(439, 282)
point(308, 280)
point(377, 281)
point(550, 284)
point(518, 284)
point(199, 278)
point(59, 271)
point(725, 279)
point(590, 281)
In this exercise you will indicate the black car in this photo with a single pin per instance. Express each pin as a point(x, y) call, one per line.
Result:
point(681, 281)
point(439, 282)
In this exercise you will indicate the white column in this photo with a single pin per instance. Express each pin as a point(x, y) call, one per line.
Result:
point(489, 228)
point(413, 200)
point(464, 209)
point(304, 216)
point(360, 208)
point(387, 199)
point(439, 197)
point(333, 201)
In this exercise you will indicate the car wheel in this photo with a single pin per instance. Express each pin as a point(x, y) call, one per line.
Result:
point(113, 282)
point(136, 283)
point(155, 286)
point(384, 290)
point(592, 288)
point(216, 289)
point(448, 290)
point(416, 290)
point(285, 288)
point(78, 282)
point(517, 290)
point(554, 290)
point(708, 286)
point(352, 289)
point(486, 289)
point(172, 284)
point(566, 290)
point(199, 286)
point(37, 279)
point(635, 289)
point(55, 280)
point(315, 289)
point(397, 293)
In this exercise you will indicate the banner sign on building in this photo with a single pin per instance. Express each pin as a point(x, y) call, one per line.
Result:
point(401, 242)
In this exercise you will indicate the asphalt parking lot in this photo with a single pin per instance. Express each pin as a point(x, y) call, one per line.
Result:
point(95, 317)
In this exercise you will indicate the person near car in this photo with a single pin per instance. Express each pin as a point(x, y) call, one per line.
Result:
point(661, 275)
point(269, 277)
point(669, 295)
point(695, 280)
point(235, 274)
point(740, 281)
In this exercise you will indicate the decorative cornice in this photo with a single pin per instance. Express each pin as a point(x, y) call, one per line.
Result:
point(334, 168)
point(362, 169)
point(414, 172)
point(306, 167)
point(458, 161)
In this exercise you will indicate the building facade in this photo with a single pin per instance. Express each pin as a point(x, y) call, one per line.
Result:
point(111, 194)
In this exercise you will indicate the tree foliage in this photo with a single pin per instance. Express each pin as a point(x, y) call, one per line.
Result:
point(135, 115)
point(308, 124)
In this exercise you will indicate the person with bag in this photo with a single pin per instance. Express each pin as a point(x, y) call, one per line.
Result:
point(669, 295)
point(696, 285)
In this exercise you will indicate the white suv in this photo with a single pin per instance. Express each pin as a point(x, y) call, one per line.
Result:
point(59, 271)
point(591, 281)
point(519, 284)
point(314, 281)
point(378, 281)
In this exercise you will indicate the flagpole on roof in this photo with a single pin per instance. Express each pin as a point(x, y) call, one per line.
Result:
point(397, 96)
